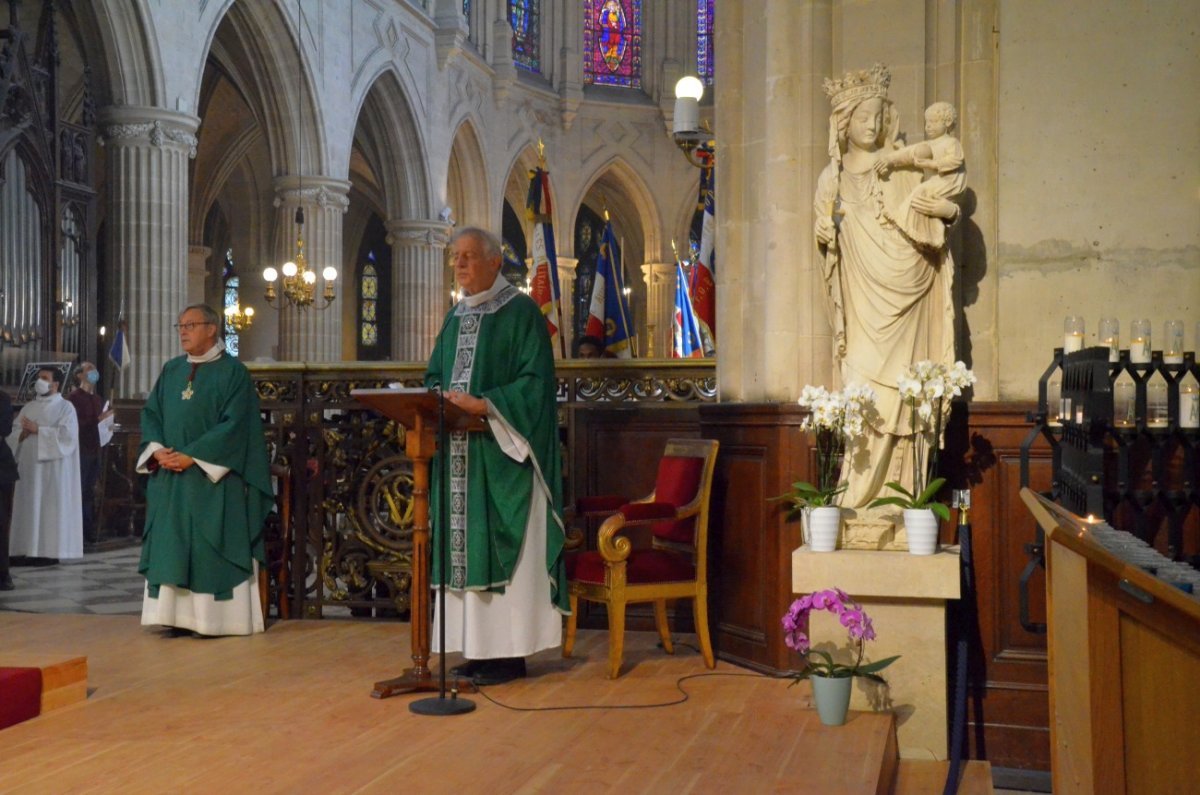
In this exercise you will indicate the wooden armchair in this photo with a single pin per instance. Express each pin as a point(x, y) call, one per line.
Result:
point(674, 567)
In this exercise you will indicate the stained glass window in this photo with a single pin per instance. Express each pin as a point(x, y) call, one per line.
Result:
point(704, 40)
point(525, 18)
point(231, 299)
point(368, 295)
point(612, 42)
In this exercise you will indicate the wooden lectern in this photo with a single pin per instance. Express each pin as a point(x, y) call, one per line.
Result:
point(417, 410)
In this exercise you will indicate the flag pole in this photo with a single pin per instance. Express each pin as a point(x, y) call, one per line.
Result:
point(558, 302)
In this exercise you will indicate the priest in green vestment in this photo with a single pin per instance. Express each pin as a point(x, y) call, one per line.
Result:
point(506, 585)
point(209, 488)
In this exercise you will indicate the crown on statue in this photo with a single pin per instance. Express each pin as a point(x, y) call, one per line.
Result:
point(859, 85)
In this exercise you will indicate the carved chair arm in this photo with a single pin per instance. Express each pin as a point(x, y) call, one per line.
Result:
point(614, 547)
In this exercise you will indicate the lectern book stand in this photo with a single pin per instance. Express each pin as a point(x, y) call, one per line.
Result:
point(417, 410)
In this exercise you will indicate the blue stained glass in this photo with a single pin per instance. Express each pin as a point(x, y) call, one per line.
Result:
point(704, 40)
point(612, 42)
point(525, 18)
point(231, 299)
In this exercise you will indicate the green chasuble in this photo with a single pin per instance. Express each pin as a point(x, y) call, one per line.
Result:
point(500, 351)
point(201, 535)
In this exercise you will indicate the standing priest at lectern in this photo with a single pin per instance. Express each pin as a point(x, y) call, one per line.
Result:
point(506, 589)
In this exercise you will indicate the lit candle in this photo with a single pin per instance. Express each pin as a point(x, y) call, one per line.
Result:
point(1110, 336)
point(1156, 405)
point(1139, 346)
point(1189, 406)
point(1073, 329)
point(1173, 342)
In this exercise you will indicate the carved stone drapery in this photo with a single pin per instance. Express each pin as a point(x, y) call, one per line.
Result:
point(147, 165)
point(418, 292)
point(311, 335)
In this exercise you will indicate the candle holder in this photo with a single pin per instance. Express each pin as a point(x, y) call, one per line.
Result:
point(1073, 330)
point(1110, 337)
point(1173, 342)
point(1139, 344)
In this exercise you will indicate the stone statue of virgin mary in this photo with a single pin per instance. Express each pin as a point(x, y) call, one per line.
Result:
point(889, 295)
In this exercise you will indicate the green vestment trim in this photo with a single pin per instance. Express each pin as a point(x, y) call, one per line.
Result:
point(499, 350)
point(200, 535)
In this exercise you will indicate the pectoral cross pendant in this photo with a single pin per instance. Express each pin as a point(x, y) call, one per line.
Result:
point(187, 393)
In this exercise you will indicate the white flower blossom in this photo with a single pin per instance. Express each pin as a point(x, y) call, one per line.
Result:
point(909, 388)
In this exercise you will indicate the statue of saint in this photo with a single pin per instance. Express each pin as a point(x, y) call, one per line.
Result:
point(887, 277)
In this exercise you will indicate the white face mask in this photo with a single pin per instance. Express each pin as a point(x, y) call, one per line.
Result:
point(41, 386)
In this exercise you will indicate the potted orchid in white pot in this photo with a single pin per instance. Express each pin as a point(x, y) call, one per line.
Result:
point(833, 417)
point(927, 388)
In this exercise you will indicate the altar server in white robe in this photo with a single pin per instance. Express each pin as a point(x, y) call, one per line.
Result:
point(47, 517)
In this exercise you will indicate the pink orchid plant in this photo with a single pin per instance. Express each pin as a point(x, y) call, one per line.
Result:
point(852, 617)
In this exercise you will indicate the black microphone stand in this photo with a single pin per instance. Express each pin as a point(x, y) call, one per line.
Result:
point(439, 704)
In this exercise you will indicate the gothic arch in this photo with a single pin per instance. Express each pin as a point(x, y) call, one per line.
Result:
point(389, 137)
point(516, 186)
point(255, 46)
point(467, 192)
point(629, 200)
point(124, 50)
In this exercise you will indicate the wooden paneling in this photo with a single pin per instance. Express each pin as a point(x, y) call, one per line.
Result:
point(1008, 708)
point(762, 452)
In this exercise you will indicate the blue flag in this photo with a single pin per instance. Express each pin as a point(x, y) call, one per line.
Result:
point(608, 313)
point(684, 327)
point(119, 352)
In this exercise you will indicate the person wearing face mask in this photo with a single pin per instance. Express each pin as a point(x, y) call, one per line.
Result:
point(47, 520)
point(8, 480)
point(89, 409)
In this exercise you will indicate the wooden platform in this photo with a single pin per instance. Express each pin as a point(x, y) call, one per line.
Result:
point(290, 711)
point(64, 677)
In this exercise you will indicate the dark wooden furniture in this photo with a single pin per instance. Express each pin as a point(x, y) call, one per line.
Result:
point(418, 411)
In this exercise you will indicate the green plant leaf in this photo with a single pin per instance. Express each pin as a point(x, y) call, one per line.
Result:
point(897, 501)
point(932, 489)
point(878, 665)
point(940, 510)
point(894, 485)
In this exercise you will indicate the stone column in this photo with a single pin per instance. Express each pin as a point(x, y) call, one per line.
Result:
point(775, 334)
point(312, 334)
point(660, 307)
point(566, 284)
point(418, 290)
point(197, 276)
point(147, 185)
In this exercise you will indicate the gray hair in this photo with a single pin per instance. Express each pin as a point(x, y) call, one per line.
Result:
point(490, 242)
point(210, 316)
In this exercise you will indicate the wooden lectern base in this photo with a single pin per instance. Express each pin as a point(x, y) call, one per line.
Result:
point(413, 682)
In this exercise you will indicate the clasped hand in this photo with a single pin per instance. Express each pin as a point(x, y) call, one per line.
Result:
point(28, 427)
point(468, 403)
point(168, 458)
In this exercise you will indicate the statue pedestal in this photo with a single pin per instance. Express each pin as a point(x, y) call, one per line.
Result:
point(905, 596)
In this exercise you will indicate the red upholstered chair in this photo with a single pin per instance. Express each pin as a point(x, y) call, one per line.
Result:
point(674, 567)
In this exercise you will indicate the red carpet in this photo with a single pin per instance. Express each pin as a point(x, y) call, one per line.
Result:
point(20, 695)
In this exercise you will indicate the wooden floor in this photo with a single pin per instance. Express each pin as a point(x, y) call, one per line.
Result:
point(289, 711)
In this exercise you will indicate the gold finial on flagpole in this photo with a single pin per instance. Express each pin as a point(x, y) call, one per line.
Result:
point(541, 147)
point(674, 250)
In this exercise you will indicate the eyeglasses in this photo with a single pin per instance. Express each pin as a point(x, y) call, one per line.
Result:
point(190, 326)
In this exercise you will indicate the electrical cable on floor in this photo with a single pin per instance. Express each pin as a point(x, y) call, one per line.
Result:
point(482, 689)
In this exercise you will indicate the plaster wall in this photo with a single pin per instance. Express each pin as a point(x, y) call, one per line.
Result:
point(1099, 173)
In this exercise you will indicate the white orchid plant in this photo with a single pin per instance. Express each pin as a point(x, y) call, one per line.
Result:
point(833, 417)
point(928, 388)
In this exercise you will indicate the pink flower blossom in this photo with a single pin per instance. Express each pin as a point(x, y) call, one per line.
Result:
point(851, 615)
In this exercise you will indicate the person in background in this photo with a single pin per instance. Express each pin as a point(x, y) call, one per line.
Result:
point(47, 521)
point(8, 479)
point(588, 347)
point(209, 489)
point(90, 411)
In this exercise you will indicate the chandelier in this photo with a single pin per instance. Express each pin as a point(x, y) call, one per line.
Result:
point(298, 287)
point(299, 284)
point(237, 318)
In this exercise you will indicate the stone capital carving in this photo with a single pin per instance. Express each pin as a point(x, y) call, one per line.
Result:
point(124, 124)
point(323, 192)
point(415, 232)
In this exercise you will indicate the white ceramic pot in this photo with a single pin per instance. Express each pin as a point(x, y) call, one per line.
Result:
point(921, 527)
point(823, 526)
